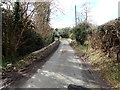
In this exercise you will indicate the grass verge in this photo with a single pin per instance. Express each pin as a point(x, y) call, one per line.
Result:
point(108, 66)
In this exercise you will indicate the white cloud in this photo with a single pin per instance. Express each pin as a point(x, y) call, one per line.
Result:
point(66, 19)
point(101, 12)
point(104, 11)
point(62, 24)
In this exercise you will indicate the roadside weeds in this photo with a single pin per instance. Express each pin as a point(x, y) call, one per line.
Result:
point(109, 69)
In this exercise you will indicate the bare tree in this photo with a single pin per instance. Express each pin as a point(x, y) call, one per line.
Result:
point(16, 21)
point(42, 18)
point(85, 10)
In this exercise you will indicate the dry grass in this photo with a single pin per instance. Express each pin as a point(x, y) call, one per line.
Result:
point(109, 68)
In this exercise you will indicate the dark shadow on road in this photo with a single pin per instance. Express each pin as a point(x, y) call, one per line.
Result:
point(85, 78)
point(70, 70)
point(22, 77)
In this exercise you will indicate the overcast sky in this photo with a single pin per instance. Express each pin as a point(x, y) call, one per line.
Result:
point(101, 11)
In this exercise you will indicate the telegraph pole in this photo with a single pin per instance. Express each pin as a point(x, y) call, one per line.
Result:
point(75, 16)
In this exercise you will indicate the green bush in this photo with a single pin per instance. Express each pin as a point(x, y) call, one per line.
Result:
point(33, 42)
point(64, 35)
point(65, 32)
point(49, 40)
point(80, 32)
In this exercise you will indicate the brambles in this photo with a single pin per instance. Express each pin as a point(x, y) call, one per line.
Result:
point(107, 39)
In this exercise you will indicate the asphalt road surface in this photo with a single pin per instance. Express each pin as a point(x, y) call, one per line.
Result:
point(63, 68)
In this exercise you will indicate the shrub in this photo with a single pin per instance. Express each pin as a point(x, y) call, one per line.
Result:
point(33, 42)
point(81, 31)
point(107, 38)
point(49, 40)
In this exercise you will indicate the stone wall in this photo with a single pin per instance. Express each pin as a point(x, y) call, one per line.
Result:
point(34, 56)
point(11, 72)
point(44, 52)
point(38, 55)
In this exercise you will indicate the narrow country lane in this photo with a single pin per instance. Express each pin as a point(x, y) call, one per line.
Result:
point(62, 69)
